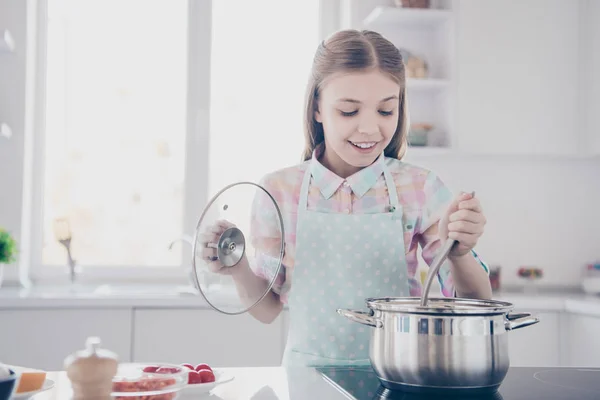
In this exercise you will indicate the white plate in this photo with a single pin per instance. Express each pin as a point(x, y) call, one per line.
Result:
point(591, 284)
point(220, 378)
point(48, 384)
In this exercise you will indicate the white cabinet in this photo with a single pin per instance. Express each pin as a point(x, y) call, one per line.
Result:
point(195, 336)
point(517, 79)
point(536, 345)
point(44, 338)
point(583, 347)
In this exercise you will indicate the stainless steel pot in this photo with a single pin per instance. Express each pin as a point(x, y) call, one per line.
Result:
point(450, 344)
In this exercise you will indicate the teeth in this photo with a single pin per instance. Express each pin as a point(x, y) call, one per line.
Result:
point(364, 145)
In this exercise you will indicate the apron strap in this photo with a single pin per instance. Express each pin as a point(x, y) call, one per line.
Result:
point(391, 186)
point(303, 201)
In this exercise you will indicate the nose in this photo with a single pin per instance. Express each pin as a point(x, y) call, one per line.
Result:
point(367, 124)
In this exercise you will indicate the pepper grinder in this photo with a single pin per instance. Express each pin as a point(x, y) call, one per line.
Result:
point(91, 371)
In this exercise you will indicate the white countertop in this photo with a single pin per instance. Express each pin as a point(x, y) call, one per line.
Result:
point(111, 296)
point(266, 383)
point(172, 296)
point(576, 303)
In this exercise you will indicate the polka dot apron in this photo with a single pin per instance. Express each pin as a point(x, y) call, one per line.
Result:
point(341, 259)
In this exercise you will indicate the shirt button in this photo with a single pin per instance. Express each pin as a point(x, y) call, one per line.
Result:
point(346, 184)
point(346, 211)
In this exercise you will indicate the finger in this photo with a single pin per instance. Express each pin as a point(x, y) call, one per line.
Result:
point(205, 238)
point(219, 227)
point(208, 253)
point(224, 224)
point(215, 229)
point(465, 227)
point(468, 216)
point(466, 239)
point(454, 206)
point(471, 204)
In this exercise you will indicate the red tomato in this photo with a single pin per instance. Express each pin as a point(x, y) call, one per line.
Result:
point(188, 366)
point(206, 375)
point(202, 366)
point(150, 368)
point(194, 377)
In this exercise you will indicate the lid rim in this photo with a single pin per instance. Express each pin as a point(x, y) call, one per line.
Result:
point(279, 261)
point(411, 305)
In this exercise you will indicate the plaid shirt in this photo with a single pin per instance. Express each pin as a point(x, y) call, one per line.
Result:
point(423, 196)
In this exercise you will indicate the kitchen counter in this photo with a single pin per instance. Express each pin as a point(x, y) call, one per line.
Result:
point(569, 302)
point(266, 383)
point(279, 383)
point(173, 296)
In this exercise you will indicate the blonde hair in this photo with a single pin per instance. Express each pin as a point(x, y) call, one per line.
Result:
point(350, 51)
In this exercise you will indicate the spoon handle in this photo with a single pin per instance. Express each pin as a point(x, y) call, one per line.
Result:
point(436, 265)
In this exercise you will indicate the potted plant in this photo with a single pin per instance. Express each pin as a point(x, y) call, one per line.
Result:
point(8, 250)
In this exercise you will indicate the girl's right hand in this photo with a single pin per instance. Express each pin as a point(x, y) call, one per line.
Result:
point(208, 247)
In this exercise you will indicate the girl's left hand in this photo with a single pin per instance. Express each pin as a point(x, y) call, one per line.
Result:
point(463, 221)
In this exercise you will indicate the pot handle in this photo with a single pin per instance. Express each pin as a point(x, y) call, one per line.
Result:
point(361, 317)
point(519, 320)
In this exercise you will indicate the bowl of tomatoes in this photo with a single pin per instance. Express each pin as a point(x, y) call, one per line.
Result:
point(156, 381)
point(202, 377)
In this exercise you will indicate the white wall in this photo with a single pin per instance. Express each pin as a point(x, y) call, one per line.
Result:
point(12, 112)
point(541, 211)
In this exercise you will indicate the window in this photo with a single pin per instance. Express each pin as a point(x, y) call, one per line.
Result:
point(258, 81)
point(115, 130)
point(133, 142)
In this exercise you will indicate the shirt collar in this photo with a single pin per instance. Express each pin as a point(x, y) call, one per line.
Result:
point(328, 182)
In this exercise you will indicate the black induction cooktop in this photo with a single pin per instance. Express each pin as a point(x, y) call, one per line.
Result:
point(520, 384)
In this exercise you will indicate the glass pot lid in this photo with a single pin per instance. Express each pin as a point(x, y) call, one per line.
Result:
point(238, 247)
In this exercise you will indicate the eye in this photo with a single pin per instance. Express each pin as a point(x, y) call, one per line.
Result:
point(386, 113)
point(348, 114)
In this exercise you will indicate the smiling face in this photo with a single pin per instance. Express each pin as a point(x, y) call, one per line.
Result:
point(359, 114)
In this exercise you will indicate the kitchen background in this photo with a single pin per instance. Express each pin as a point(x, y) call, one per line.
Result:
point(508, 89)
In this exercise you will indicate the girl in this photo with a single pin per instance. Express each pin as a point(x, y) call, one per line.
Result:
point(354, 213)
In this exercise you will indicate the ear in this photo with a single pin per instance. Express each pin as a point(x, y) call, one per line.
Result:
point(318, 116)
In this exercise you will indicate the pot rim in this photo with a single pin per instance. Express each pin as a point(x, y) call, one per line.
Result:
point(439, 306)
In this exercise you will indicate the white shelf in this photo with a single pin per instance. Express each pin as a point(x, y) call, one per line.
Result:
point(427, 84)
point(7, 43)
point(407, 17)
